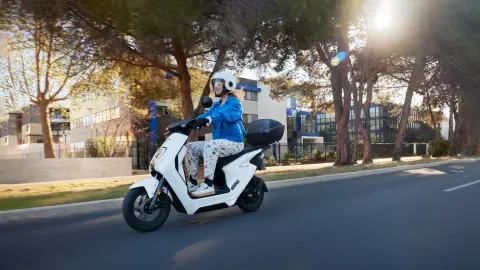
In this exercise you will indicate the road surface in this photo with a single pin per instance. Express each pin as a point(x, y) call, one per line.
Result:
point(421, 219)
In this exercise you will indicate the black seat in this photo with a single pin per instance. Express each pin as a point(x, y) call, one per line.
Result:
point(224, 161)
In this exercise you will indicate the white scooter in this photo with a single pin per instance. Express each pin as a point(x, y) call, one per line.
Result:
point(234, 179)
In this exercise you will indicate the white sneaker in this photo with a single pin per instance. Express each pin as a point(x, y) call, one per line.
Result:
point(192, 187)
point(203, 190)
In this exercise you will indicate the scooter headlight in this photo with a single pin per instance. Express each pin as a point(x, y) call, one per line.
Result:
point(157, 155)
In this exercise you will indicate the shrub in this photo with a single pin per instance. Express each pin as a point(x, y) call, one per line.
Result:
point(317, 155)
point(330, 156)
point(271, 161)
point(439, 148)
point(288, 155)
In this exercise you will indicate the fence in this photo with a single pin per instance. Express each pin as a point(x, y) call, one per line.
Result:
point(283, 154)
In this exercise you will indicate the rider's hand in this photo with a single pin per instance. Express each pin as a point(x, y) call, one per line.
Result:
point(200, 123)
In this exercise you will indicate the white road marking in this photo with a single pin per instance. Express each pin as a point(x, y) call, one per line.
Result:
point(462, 186)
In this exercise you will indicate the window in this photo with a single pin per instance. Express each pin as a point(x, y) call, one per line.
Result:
point(373, 124)
point(6, 140)
point(99, 117)
point(85, 121)
point(115, 113)
point(94, 118)
point(106, 117)
point(248, 118)
point(250, 95)
point(109, 115)
point(27, 128)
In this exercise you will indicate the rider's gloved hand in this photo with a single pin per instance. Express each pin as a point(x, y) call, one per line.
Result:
point(200, 123)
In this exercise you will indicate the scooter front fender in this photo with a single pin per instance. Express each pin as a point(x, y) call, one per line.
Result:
point(150, 184)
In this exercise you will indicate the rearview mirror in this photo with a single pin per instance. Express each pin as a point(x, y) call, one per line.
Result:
point(207, 102)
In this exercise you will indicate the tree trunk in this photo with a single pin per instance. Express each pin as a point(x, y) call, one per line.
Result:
point(185, 79)
point(432, 117)
point(450, 117)
point(468, 114)
point(367, 138)
point(356, 127)
point(46, 130)
point(358, 100)
point(412, 85)
point(342, 113)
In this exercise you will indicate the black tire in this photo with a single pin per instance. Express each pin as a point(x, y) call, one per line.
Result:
point(252, 199)
point(129, 210)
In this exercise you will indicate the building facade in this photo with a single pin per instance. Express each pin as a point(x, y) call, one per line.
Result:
point(96, 115)
point(10, 130)
point(31, 131)
point(3, 109)
point(384, 120)
point(21, 133)
point(256, 104)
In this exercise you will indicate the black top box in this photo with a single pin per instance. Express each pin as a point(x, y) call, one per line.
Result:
point(264, 132)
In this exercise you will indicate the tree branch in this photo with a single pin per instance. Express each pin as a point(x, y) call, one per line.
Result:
point(201, 53)
point(24, 75)
point(323, 56)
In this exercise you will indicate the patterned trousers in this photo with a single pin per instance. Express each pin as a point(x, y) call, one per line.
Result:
point(210, 151)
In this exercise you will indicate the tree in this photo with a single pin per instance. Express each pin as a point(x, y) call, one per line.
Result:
point(170, 36)
point(320, 27)
point(8, 87)
point(47, 59)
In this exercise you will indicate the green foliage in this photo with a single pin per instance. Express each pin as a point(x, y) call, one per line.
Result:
point(330, 156)
point(317, 155)
point(271, 161)
point(439, 148)
point(288, 155)
point(101, 147)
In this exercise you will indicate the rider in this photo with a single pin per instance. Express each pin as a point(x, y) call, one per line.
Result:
point(228, 133)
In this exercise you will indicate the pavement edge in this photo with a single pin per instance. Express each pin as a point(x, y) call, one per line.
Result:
point(115, 204)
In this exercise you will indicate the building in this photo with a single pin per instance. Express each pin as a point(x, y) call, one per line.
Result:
point(3, 109)
point(10, 130)
point(384, 121)
point(256, 104)
point(88, 122)
point(302, 125)
point(31, 130)
point(21, 133)
point(98, 115)
point(24, 127)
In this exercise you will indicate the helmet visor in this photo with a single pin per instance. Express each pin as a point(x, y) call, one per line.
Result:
point(217, 84)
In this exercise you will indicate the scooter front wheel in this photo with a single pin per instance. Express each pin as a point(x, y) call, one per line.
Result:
point(138, 214)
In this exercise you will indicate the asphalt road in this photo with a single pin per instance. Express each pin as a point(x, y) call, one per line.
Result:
point(402, 220)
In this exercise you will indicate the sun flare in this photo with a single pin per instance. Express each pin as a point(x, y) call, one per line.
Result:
point(383, 21)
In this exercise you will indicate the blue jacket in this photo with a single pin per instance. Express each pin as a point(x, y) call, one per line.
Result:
point(226, 120)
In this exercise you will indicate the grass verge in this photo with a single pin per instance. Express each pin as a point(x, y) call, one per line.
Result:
point(49, 194)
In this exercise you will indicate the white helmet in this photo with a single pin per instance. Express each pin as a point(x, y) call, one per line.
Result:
point(230, 81)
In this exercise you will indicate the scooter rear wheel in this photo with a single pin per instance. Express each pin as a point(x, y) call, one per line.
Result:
point(137, 213)
point(252, 199)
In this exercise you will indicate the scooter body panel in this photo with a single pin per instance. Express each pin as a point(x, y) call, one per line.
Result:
point(150, 184)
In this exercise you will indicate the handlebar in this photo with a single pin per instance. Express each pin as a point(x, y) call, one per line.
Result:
point(184, 127)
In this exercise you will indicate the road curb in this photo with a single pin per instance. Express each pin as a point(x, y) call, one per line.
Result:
point(115, 204)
